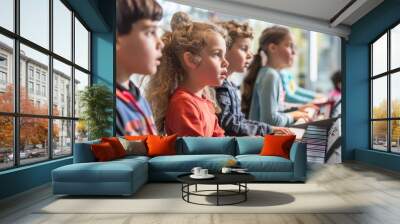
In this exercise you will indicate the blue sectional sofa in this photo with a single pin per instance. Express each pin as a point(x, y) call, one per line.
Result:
point(125, 176)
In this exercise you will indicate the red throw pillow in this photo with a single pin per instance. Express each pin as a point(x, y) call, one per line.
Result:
point(161, 145)
point(103, 152)
point(116, 145)
point(277, 145)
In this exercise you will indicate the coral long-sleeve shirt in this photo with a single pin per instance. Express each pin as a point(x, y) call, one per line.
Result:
point(190, 115)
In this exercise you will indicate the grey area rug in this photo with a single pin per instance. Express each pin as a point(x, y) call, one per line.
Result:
point(166, 198)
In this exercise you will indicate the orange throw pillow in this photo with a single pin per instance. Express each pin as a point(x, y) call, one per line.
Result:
point(103, 152)
point(277, 145)
point(116, 145)
point(161, 145)
point(135, 137)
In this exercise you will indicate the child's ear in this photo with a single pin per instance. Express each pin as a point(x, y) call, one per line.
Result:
point(271, 47)
point(191, 60)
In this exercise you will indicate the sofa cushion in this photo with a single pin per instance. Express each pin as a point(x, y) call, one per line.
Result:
point(185, 163)
point(249, 145)
point(277, 145)
point(161, 145)
point(103, 152)
point(112, 171)
point(134, 147)
point(116, 145)
point(118, 177)
point(206, 145)
point(257, 163)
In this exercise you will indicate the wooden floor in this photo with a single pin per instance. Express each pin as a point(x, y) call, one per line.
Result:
point(378, 188)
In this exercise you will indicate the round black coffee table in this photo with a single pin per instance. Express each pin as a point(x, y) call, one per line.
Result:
point(238, 179)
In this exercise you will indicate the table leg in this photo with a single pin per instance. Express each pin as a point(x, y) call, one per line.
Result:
point(217, 194)
point(245, 191)
point(188, 192)
point(182, 190)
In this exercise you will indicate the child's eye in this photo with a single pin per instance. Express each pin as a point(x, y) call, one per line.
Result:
point(151, 33)
point(219, 54)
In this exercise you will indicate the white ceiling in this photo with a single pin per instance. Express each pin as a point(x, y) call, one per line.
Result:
point(320, 9)
point(314, 15)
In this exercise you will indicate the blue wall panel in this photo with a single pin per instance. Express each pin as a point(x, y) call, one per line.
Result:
point(89, 11)
point(380, 159)
point(356, 101)
point(103, 44)
point(102, 58)
point(356, 85)
point(24, 178)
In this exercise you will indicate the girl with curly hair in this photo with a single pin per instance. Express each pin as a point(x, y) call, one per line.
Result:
point(193, 60)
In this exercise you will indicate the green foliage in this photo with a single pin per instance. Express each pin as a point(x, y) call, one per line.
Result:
point(96, 102)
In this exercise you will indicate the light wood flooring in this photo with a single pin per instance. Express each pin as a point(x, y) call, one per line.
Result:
point(378, 188)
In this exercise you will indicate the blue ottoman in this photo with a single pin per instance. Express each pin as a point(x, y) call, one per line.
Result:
point(118, 177)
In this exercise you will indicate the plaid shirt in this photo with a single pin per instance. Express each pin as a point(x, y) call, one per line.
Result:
point(231, 118)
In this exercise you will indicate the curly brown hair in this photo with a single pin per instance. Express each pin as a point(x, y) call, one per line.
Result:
point(236, 30)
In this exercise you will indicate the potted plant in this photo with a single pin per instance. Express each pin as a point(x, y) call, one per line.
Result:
point(96, 103)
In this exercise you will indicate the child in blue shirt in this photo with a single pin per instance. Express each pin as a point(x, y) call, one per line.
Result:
point(263, 93)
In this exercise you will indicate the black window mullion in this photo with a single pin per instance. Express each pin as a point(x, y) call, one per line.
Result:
point(7, 33)
point(389, 106)
point(81, 68)
point(89, 54)
point(389, 91)
point(73, 82)
point(16, 83)
point(50, 87)
point(380, 75)
point(385, 119)
point(371, 137)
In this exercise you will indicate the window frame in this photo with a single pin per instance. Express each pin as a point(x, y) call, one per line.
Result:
point(388, 74)
point(16, 115)
point(3, 71)
point(3, 74)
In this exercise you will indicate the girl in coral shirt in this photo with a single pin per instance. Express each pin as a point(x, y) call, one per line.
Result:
point(193, 60)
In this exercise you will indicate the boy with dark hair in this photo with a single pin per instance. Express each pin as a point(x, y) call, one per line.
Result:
point(138, 50)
